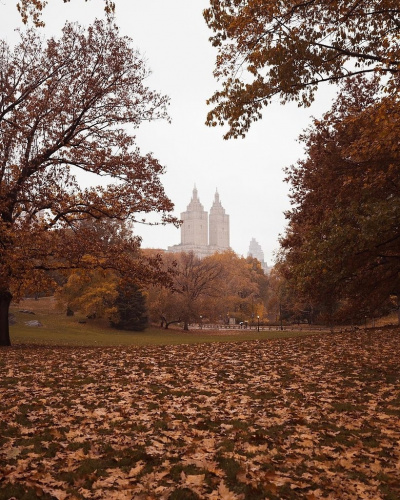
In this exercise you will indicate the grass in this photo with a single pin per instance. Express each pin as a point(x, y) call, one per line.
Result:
point(62, 330)
point(201, 421)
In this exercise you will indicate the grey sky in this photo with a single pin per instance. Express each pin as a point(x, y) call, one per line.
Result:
point(247, 172)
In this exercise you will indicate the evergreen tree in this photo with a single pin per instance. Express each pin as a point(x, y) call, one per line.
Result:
point(131, 308)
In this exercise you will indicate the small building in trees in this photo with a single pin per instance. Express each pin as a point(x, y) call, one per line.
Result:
point(202, 233)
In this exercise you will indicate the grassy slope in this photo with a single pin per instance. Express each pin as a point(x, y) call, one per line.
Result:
point(58, 329)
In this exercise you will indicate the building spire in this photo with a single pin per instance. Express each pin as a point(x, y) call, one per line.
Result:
point(195, 196)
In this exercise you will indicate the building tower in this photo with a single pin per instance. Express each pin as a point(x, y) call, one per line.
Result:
point(194, 230)
point(256, 252)
point(219, 225)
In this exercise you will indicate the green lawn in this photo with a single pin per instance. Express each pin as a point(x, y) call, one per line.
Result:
point(58, 329)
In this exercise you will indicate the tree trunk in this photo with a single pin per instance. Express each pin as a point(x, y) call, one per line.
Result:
point(167, 323)
point(5, 301)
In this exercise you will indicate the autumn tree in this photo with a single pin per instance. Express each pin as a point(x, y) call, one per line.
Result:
point(239, 290)
point(164, 306)
point(107, 292)
point(93, 292)
point(285, 49)
point(193, 279)
point(341, 249)
point(212, 287)
point(32, 9)
point(284, 304)
point(65, 105)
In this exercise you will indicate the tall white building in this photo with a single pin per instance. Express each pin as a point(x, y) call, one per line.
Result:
point(219, 225)
point(194, 230)
point(200, 233)
point(256, 251)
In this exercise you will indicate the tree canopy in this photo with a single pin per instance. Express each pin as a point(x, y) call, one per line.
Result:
point(217, 287)
point(130, 308)
point(68, 107)
point(193, 279)
point(32, 9)
point(342, 246)
point(285, 49)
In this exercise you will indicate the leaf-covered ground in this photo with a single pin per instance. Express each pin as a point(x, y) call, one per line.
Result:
point(312, 417)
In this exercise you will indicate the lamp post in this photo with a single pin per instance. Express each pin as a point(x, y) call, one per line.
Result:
point(201, 322)
point(258, 323)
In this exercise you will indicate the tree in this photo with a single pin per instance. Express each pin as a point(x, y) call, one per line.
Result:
point(239, 289)
point(32, 9)
point(286, 49)
point(284, 304)
point(64, 106)
point(193, 279)
point(341, 250)
point(210, 287)
point(130, 305)
point(109, 292)
point(90, 291)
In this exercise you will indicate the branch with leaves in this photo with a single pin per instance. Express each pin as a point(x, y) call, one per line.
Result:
point(284, 50)
point(32, 9)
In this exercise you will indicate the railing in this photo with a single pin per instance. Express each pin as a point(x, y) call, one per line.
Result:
point(264, 328)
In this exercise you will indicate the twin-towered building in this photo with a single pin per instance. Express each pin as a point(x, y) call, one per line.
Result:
point(203, 233)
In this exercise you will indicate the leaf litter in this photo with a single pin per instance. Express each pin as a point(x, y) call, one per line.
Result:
point(311, 417)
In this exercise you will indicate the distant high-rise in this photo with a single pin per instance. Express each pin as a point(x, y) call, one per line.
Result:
point(200, 233)
point(194, 230)
point(255, 251)
point(219, 225)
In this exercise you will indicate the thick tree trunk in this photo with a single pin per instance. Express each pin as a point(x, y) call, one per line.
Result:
point(5, 301)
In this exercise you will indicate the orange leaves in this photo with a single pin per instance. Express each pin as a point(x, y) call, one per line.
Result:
point(287, 48)
point(31, 10)
point(341, 247)
point(69, 120)
point(316, 417)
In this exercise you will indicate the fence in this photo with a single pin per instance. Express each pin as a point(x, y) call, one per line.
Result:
point(264, 328)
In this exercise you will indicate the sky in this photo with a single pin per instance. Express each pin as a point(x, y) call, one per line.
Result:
point(248, 173)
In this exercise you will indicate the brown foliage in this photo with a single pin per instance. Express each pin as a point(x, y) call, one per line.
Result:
point(64, 108)
point(341, 249)
point(286, 49)
point(32, 9)
point(316, 417)
point(211, 287)
point(193, 279)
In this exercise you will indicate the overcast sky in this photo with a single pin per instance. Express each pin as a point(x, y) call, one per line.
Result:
point(248, 173)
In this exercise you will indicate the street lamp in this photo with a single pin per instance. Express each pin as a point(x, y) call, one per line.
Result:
point(258, 323)
point(201, 322)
